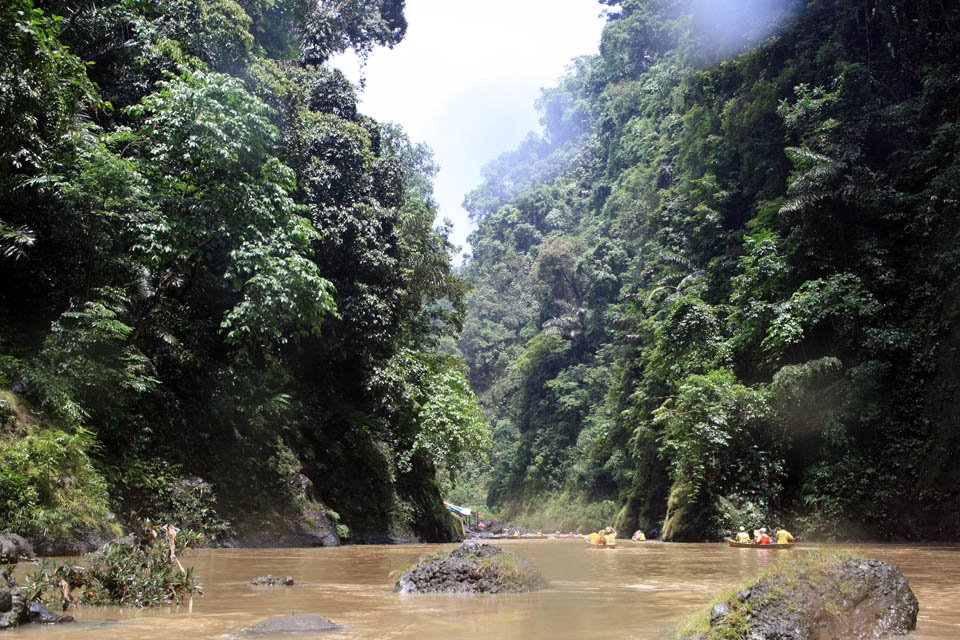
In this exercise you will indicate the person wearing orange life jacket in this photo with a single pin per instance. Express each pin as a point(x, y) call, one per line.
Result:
point(784, 536)
point(742, 536)
point(593, 538)
point(763, 537)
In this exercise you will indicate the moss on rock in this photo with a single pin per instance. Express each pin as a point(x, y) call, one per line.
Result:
point(473, 567)
point(815, 595)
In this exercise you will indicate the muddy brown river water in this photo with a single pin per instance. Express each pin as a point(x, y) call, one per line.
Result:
point(635, 591)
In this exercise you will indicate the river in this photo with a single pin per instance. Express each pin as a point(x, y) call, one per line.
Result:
point(635, 591)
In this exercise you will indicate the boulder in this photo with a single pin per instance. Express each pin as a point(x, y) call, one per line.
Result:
point(813, 599)
point(13, 603)
point(473, 567)
point(14, 548)
point(77, 543)
point(270, 580)
point(36, 612)
point(297, 623)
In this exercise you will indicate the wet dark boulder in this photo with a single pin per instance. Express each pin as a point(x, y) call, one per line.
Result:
point(473, 567)
point(14, 548)
point(813, 598)
point(75, 544)
point(36, 612)
point(13, 603)
point(292, 624)
point(14, 609)
point(270, 580)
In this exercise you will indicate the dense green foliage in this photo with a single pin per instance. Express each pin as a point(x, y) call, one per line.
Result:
point(720, 287)
point(49, 485)
point(214, 273)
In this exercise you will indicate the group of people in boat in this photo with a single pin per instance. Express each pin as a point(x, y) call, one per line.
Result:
point(606, 537)
point(760, 536)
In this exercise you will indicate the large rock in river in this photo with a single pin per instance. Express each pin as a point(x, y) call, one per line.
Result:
point(299, 623)
point(13, 603)
point(473, 567)
point(813, 598)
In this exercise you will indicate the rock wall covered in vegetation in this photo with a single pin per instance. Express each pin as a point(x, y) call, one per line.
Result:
point(719, 287)
point(223, 301)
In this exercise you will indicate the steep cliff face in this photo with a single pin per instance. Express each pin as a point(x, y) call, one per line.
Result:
point(719, 287)
point(220, 279)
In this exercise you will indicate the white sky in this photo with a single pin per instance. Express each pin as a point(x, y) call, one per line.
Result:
point(465, 78)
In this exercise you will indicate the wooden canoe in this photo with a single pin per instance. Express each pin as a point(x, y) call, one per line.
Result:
point(772, 545)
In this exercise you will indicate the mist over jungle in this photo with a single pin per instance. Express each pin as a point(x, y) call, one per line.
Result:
point(719, 287)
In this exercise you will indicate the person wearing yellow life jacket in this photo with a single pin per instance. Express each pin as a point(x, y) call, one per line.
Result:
point(784, 536)
point(742, 536)
point(594, 538)
point(610, 537)
point(638, 536)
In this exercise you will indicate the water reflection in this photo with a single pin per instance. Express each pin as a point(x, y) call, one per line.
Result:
point(635, 591)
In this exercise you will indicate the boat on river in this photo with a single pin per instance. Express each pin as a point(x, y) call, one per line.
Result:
point(753, 545)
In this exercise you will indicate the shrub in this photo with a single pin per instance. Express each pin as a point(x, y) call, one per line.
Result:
point(136, 571)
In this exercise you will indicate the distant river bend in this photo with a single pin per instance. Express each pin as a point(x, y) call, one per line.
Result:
point(636, 591)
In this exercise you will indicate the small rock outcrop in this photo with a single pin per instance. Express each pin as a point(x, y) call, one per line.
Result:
point(14, 548)
point(473, 567)
point(14, 609)
point(75, 544)
point(13, 603)
point(270, 581)
point(297, 623)
point(38, 613)
point(847, 598)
